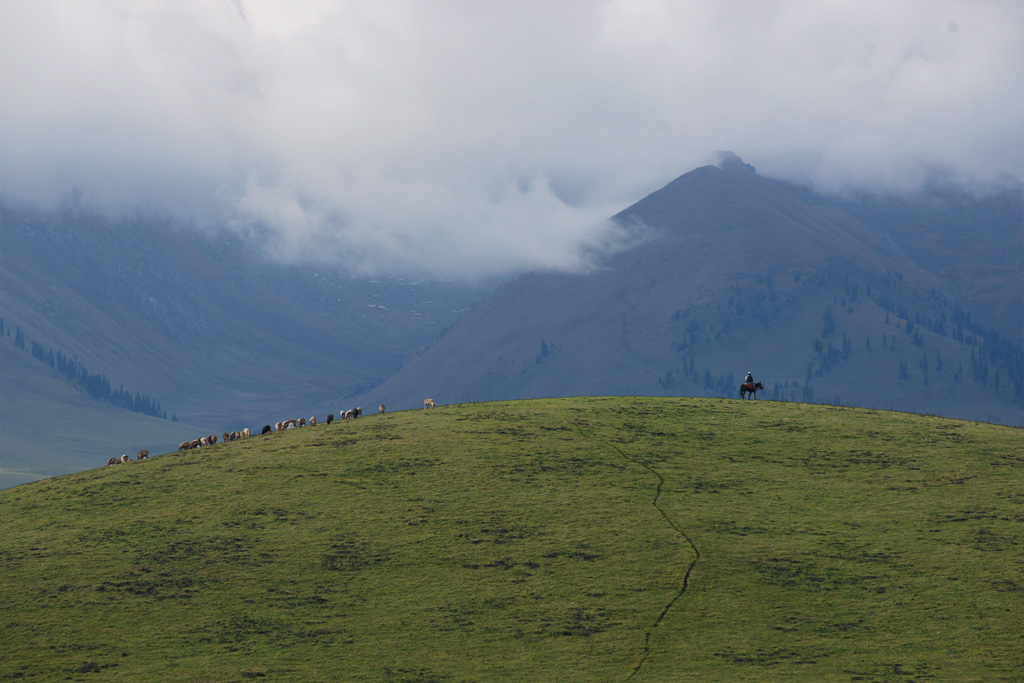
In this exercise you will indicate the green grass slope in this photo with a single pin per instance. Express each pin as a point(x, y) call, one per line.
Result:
point(586, 539)
point(49, 428)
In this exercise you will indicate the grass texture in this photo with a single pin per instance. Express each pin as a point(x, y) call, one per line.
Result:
point(584, 539)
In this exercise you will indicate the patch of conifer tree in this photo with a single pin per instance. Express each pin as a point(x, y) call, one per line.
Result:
point(96, 385)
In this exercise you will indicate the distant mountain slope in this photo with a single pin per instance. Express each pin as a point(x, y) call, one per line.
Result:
point(48, 428)
point(202, 322)
point(740, 273)
point(974, 243)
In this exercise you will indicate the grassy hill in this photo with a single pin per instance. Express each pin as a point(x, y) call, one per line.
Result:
point(585, 539)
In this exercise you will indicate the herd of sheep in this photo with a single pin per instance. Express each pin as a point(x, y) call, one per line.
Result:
point(350, 414)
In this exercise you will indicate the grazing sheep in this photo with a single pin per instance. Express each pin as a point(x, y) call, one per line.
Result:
point(112, 461)
point(352, 413)
point(381, 408)
point(246, 433)
point(330, 418)
point(302, 422)
point(312, 421)
point(203, 441)
point(212, 439)
point(266, 429)
point(228, 437)
point(428, 403)
point(142, 454)
point(125, 458)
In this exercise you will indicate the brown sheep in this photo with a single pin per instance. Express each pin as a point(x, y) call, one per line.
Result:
point(330, 418)
point(112, 461)
point(428, 403)
point(381, 409)
point(142, 454)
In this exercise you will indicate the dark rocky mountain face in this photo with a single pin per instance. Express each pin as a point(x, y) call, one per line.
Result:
point(203, 323)
point(742, 273)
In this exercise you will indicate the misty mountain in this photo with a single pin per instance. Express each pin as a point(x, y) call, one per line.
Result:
point(846, 301)
point(202, 322)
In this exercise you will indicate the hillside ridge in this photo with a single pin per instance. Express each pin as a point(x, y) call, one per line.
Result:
point(532, 540)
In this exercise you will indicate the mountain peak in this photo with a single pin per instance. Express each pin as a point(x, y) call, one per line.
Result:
point(731, 161)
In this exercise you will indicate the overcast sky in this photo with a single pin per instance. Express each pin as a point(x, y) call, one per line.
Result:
point(466, 136)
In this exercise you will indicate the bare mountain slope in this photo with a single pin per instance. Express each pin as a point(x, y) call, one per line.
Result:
point(201, 322)
point(48, 428)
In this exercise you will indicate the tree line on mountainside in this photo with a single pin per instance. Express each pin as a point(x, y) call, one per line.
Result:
point(993, 359)
point(95, 385)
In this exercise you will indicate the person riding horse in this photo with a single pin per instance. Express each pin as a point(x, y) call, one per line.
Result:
point(749, 386)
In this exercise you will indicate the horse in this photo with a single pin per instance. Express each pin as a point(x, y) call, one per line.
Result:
point(752, 389)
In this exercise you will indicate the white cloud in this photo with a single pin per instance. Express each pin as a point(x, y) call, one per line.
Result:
point(465, 137)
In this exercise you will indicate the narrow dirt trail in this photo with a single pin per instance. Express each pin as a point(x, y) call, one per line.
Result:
point(656, 502)
point(686, 576)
